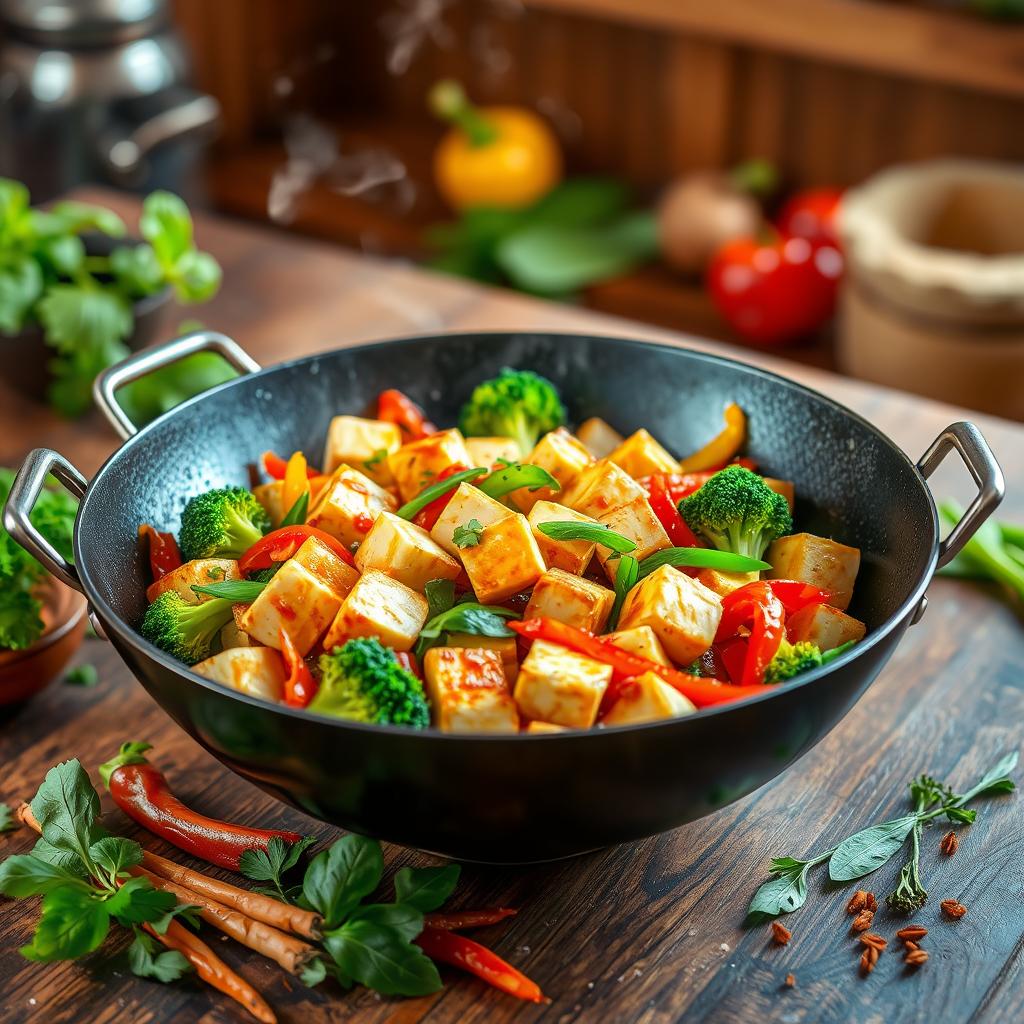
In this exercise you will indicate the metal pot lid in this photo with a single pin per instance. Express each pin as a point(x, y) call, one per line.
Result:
point(83, 22)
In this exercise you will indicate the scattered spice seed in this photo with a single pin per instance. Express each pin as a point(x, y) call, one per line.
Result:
point(873, 941)
point(953, 908)
point(868, 960)
point(790, 981)
point(870, 902)
point(912, 932)
point(950, 843)
point(910, 945)
point(916, 957)
point(862, 922)
point(780, 933)
point(858, 901)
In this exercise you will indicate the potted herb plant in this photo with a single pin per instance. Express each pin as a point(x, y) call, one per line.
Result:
point(75, 294)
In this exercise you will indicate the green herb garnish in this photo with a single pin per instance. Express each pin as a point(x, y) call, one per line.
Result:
point(701, 558)
point(465, 617)
point(516, 475)
point(571, 529)
point(438, 490)
point(468, 536)
point(82, 675)
point(375, 459)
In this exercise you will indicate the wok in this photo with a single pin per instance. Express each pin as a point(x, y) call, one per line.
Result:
point(507, 799)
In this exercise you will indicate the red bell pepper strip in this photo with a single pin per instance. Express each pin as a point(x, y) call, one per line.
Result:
point(731, 654)
point(796, 595)
point(456, 920)
point(665, 509)
point(408, 661)
point(457, 950)
point(164, 556)
point(279, 545)
point(394, 407)
point(429, 514)
point(703, 692)
point(300, 687)
point(142, 792)
point(275, 467)
point(754, 605)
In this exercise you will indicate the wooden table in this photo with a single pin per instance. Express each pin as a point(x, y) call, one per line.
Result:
point(650, 932)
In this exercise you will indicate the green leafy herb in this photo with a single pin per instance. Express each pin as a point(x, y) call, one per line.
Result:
point(159, 392)
point(438, 490)
point(296, 515)
point(869, 849)
point(465, 617)
point(626, 577)
point(82, 675)
point(784, 893)
point(382, 959)
point(515, 475)
point(468, 536)
point(146, 962)
point(339, 878)
point(701, 558)
point(426, 888)
point(241, 591)
point(375, 459)
point(571, 529)
point(269, 865)
point(8, 823)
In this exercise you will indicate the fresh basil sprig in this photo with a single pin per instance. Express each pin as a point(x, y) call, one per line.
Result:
point(516, 475)
point(571, 529)
point(240, 591)
point(438, 490)
point(701, 558)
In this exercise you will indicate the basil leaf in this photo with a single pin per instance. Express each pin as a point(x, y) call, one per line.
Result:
point(23, 875)
point(72, 924)
point(701, 558)
point(468, 536)
point(627, 575)
point(297, 513)
point(338, 878)
point(869, 849)
point(438, 490)
point(426, 888)
point(573, 530)
point(401, 918)
point(66, 807)
point(170, 965)
point(242, 591)
point(382, 960)
point(114, 854)
point(780, 895)
point(515, 476)
point(440, 595)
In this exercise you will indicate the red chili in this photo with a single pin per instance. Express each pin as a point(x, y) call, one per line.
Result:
point(459, 919)
point(429, 514)
point(394, 407)
point(665, 509)
point(754, 605)
point(164, 556)
point(275, 467)
point(457, 950)
point(731, 654)
point(279, 545)
point(300, 687)
point(408, 661)
point(795, 595)
point(142, 792)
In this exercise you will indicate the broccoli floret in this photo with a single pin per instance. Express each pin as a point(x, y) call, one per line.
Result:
point(737, 511)
point(792, 659)
point(222, 523)
point(517, 404)
point(185, 630)
point(363, 681)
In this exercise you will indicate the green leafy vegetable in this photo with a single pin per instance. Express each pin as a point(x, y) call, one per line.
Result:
point(146, 962)
point(271, 864)
point(159, 392)
point(517, 403)
point(515, 475)
point(438, 490)
point(426, 888)
point(236, 591)
point(7, 820)
point(82, 675)
point(571, 529)
point(468, 536)
point(701, 558)
point(339, 878)
point(464, 617)
point(440, 595)
point(382, 959)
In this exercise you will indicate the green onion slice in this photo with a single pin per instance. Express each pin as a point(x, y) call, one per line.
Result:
point(516, 475)
point(438, 490)
point(241, 591)
point(701, 558)
point(627, 575)
point(571, 529)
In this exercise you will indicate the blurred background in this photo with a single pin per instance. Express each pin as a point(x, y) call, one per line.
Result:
point(836, 180)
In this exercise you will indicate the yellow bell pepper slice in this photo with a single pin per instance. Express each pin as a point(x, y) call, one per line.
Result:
point(722, 447)
point(296, 482)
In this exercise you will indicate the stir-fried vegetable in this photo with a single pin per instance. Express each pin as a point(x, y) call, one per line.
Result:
point(186, 631)
point(517, 404)
point(222, 522)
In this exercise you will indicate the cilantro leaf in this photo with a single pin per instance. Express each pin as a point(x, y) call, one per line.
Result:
point(138, 902)
point(66, 807)
point(426, 888)
point(115, 855)
point(340, 877)
point(20, 624)
point(23, 875)
point(72, 924)
point(468, 536)
point(21, 284)
point(270, 864)
point(145, 962)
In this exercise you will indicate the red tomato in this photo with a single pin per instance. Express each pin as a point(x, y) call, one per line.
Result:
point(775, 292)
point(811, 214)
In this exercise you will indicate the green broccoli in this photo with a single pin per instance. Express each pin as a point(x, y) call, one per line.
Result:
point(737, 511)
point(517, 404)
point(364, 682)
point(792, 659)
point(221, 523)
point(185, 630)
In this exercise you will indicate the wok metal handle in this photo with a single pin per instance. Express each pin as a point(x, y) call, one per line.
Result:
point(145, 362)
point(966, 438)
point(31, 478)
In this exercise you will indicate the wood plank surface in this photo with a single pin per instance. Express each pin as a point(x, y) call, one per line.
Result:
point(650, 932)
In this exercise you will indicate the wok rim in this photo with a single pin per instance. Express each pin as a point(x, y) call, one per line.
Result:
point(129, 636)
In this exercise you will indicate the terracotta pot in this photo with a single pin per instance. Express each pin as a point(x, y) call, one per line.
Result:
point(24, 673)
point(933, 300)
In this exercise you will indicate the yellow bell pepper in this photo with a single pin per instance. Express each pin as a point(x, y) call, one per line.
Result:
point(721, 448)
point(296, 482)
point(492, 156)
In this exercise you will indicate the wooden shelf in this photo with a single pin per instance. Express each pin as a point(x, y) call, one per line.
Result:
point(912, 40)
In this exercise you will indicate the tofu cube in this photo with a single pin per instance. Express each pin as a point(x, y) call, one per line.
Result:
point(570, 599)
point(232, 636)
point(406, 552)
point(600, 438)
point(302, 598)
point(647, 698)
point(563, 457)
point(535, 728)
point(271, 497)
point(723, 583)
point(783, 487)
point(362, 444)
point(506, 561)
point(468, 691)
point(642, 641)
point(466, 503)
point(825, 626)
point(200, 572)
point(349, 505)
point(816, 560)
point(637, 521)
point(503, 646)
point(382, 607)
point(683, 613)
point(257, 671)
point(559, 686)
point(569, 555)
point(486, 451)
point(641, 455)
point(416, 465)
point(601, 488)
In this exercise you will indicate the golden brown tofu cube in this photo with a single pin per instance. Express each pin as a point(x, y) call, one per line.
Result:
point(783, 487)
point(468, 691)
point(382, 607)
point(647, 698)
point(536, 728)
point(406, 552)
point(563, 457)
point(819, 561)
point(570, 555)
point(200, 572)
point(362, 444)
point(257, 671)
point(416, 465)
point(601, 488)
point(271, 497)
point(683, 613)
point(559, 686)
point(466, 503)
point(641, 455)
point(349, 504)
point(637, 521)
point(570, 599)
point(642, 641)
point(825, 626)
point(506, 561)
point(488, 451)
point(600, 438)
point(232, 636)
point(723, 583)
point(503, 646)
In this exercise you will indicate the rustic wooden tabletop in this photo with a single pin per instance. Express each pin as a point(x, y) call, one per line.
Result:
point(649, 932)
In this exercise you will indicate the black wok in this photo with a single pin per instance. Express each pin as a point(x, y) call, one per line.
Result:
point(520, 798)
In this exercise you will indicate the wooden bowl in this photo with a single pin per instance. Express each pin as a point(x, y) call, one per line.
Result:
point(24, 673)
